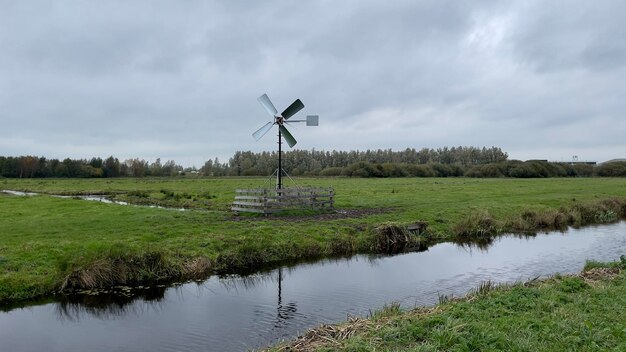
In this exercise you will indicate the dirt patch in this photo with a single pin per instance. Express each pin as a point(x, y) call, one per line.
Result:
point(334, 215)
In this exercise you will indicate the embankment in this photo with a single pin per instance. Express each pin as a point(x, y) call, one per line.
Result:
point(564, 313)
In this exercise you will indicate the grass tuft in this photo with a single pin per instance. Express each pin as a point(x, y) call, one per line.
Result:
point(484, 287)
point(477, 225)
point(135, 269)
point(392, 237)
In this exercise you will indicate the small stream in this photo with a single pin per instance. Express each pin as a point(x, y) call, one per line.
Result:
point(89, 197)
point(237, 313)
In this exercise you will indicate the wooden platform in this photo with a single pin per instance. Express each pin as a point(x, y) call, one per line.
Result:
point(268, 200)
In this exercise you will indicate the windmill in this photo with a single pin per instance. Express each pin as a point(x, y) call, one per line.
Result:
point(281, 120)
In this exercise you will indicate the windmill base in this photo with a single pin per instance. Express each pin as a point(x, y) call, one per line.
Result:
point(270, 201)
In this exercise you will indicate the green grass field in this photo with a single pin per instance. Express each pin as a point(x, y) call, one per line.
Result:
point(48, 242)
point(565, 313)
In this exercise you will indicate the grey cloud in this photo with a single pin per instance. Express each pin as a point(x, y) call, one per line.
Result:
point(180, 79)
point(572, 35)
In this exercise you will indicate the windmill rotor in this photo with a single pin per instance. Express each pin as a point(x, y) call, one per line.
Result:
point(282, 120)
point(262, 131)
point(292, 109)
point(267, 104)
point(290, 140)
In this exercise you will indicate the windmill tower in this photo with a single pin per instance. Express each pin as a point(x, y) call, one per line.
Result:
point(269, 201)
point(282, 120)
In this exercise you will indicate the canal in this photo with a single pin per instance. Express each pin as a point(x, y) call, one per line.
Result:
point(234, 313)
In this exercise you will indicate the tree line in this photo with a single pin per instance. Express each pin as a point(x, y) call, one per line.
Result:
point(427, 162)
point(314, 163)
point(41, 167)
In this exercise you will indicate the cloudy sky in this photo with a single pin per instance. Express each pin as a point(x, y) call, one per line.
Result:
point(180, 79)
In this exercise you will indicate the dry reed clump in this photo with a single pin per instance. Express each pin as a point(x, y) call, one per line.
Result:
point(616, 205)
point(332, 336)
point(240, 260)
point(480, 225)
point(530, 221)
point(149, 267)
point(196, 268)
point(595, 275)
point(328, 336)
point(477, 225)
point(254, 256)
point(602, 212)
point(560, 220)
point(342, 246)
point(394, 238)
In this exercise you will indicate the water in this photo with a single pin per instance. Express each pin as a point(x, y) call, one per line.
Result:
point(18, 193)
point(239, 313)
point(90, 197)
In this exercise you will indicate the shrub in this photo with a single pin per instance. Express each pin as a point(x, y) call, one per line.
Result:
point(445, 170)
point(363, 169)
point(332, 171)
point(582, 170)
point(487, 170)
point(419, 170)
point(612, 169)
point(393, 170)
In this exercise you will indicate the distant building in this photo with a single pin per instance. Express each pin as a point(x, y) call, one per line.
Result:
point(614, 161)
point(573, 162)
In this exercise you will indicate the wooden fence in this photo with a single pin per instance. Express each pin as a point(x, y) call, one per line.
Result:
point(267, 200)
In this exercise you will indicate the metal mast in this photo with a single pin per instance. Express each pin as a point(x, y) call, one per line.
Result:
point(281, 121)
point(279, 183)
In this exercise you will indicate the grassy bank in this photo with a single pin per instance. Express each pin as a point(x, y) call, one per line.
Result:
point(49, 243)
point(565, 313)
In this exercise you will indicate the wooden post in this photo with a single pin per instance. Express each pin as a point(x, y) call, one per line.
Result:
point(264, 201)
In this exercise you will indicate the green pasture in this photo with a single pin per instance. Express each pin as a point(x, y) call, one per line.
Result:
point(44, 238)
point(565, 313)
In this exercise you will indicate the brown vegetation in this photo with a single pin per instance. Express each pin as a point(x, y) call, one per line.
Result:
point(150, 267)
point(482, 225)
point(395, 238)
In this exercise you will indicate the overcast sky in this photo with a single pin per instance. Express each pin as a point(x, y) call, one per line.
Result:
point(180, 79)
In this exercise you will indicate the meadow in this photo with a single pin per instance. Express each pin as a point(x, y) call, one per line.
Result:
point(564, 313)
point(49, 244)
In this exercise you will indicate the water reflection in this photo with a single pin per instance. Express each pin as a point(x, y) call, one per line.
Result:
point(240, 312)
point(116, 304)
point(483, 244)
point(107, 306)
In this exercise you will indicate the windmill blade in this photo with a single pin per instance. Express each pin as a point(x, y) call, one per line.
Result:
point(292, 109)
point(288, 137)
point(262, 131)
point(267, 104)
